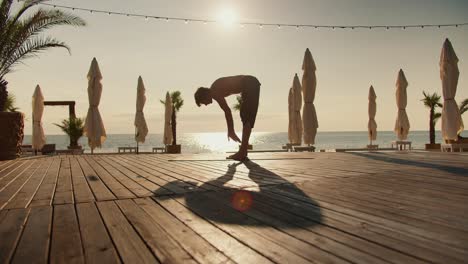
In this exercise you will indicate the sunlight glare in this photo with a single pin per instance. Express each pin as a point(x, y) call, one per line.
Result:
point(227, 17)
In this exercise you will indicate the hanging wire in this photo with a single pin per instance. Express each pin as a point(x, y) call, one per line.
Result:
point(186, 20)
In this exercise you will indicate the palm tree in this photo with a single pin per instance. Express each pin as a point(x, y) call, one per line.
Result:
point(464, 106)
point(10, 104)
point(177, 103)
point(73, 127)
point(20, 36)
point(237, 106)
point(432, 101)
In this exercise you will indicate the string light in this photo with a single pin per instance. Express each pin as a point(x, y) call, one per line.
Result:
point(260, 25)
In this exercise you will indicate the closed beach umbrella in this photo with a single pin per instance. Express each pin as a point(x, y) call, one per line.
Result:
point(140, 122)
point(297, 125)
point(94, 127)
point(309, 85)
point(452, 123)
point(402, 124)
point(291, 133)
point(372, 125)
point(38, 138)
point(167, 120)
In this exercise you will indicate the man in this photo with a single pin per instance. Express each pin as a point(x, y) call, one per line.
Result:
point(249, 88)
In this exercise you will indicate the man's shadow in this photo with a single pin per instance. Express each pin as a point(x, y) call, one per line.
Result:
point(272, 200)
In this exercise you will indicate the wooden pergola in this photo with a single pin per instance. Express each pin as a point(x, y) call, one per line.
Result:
point(71, 107)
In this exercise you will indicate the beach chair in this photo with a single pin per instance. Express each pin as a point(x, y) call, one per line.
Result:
point(159, 149)
point(401, 144)
point(127, 149)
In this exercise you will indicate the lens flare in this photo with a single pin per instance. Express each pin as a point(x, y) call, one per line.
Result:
point(242, 200)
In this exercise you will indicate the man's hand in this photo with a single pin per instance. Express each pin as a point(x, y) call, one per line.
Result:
point(233, 136)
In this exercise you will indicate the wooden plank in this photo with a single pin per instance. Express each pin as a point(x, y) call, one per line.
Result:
point(45, 192)
point(133, 186)
point(315, 233)
point(98, 247)
point(120, 191)
point(27, 192)
point(12, 175)
point(101, 192)
point(194, 244)
point(223, 241)
point(11, 168)
point(156, 178)
point(64, 190)
point(66, 244)
point(163, 246)
point(150, 186)
point(81, 191)
point(34, 243)
point(10, 190)
point(361, 228)
point(129, 245)
point(11, 228)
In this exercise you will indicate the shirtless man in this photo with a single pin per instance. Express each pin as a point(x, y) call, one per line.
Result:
point(249, 88)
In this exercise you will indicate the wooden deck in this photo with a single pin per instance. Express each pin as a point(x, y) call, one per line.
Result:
point(279, 207)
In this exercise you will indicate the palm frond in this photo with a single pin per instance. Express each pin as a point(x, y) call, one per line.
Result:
point(436, 117)
point(10, 104)
point(29, 49)
point(431, 100)
point(177, 100)
point(464, 106)
point(237, 106)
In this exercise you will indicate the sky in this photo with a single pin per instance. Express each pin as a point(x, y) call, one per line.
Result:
point(177, 56)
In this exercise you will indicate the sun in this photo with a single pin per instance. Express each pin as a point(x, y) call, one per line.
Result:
point(227, 16)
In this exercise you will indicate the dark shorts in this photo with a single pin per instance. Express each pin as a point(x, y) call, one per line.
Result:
point(250, 96)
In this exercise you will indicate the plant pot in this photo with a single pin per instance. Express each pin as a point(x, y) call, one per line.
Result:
point(432, 146)
point(11, 134)
point(173, 149)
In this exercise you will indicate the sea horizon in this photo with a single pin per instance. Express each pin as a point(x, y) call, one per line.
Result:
point(216, 142)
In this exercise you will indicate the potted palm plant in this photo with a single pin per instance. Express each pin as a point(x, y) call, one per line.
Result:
point(177, 103)
point(432, 101)
point(73, 127)
point(20, 38)
point(237, 107)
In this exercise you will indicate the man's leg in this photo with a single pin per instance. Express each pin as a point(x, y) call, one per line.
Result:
point(242, 153)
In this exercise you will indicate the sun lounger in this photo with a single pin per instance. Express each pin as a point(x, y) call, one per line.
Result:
point(159, 149)
point(125, 149)
point(289, 146)
point(305, 148)
point(48, 149)
point(452, 147)
point(401, 144)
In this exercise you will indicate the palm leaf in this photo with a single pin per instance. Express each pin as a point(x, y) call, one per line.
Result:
point(464, 106)
point(436, 117)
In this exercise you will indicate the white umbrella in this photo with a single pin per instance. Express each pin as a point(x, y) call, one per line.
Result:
point(452, 123)
point(167, 120)
point(297, 105)
point(291, 133)
point(309, 85)
point(38, 138)
point(372, 125)
point(94, 128)
point(402, 124)
point(141, 127)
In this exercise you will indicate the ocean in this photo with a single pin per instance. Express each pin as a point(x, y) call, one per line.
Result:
point(218, 142)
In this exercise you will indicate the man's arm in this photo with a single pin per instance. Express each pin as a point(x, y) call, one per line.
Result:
point(228, 115)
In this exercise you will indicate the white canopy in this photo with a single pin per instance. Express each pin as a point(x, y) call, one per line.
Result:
point(94, 127)
point(402, 124)
point(38, 138)
point(309, 84)
point(295, 105)
point(452, 123)
point(167, 120)
point(372, 125)
point(140, 122)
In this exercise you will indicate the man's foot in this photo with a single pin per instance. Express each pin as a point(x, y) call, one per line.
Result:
point(238, 156)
